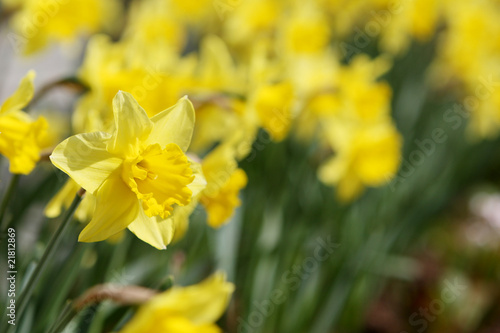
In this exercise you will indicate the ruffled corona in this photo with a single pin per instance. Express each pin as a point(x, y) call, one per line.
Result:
point(159, 177)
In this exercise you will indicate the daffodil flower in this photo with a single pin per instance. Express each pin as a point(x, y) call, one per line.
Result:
point(139, 173)
point(273, 105)
point(224, 182)
point(21, 136)
point(39, 22)
point(184, 309)
point(364, 156)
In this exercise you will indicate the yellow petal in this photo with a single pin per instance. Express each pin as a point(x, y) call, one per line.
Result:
point(174, 125)
point(273, 104)
point(85, 159)
point(22, 96)
point(62, 199)
point(155, 322)
point(167, 228)
point(116, 208)
point(191, 309)
point(349, 188)
point(202, 303)
point(218, 166)
point(148, 230)
point(221, 205)
point(332, 171)
point(180, 219)
point(20, 140)
point(378, 155)
point(132, 125)
point(199, 183)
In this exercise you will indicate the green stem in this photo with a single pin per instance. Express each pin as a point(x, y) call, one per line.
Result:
point(65, 318)
point(6, 199)
point(47, 255)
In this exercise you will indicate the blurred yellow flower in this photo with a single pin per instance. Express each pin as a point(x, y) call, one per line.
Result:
point(359, 97)
point(413, 18)
point(273, 105)
point(365, 156)
point(109, 67)
point(306, 32)
point(21, 136)
point(192, 309)
point(193, 11)
point(251, 18)
point(153, 22)
point(138, 173)
point(352, 95)
point(472, 23)
point(39, 22)
point(224, 182)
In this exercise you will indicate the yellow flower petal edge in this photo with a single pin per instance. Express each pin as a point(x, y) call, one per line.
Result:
point(148, 230)
point(221, 205)
point(174, 125)
point(224, 182)
point(22, 96)
point(85, 159)
point(116, 208)
point(184, 309)
point(21, 136)
point(132, 125)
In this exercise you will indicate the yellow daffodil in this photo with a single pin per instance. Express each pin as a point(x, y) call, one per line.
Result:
point(139, 173)
point(213, 124)
point(21, 136)
point(249, 19)
point(413, 19)
point(347, 13)
point(39, 22)
point(192, 309)
point(109, 67)
point(216, 70)
point(273, 105)
point(219, 85)
point(307, 32)
point(365, 156)
point(356, 96)
point(152, 23)
point(193, 11)
point(224, 182)
point(366, 98)
point(472, 23)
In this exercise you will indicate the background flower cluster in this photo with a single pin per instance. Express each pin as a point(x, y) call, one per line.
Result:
point(337, 159)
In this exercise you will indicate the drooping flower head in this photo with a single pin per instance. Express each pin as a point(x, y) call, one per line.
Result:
point(139, 173)
point(21, 136)
point(192, 309)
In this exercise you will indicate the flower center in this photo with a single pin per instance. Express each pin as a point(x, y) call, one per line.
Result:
point(159, 178)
